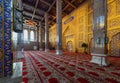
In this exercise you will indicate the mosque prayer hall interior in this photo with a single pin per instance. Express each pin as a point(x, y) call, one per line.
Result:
point(59, 41)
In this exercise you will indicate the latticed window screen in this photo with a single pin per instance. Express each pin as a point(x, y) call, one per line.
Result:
point(115, 45)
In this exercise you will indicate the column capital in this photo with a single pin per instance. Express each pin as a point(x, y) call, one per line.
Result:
point(46, 14)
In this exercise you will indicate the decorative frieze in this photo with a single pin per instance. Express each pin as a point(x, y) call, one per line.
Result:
point(114, 22)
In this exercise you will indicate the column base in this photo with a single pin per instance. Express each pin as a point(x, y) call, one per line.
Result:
point(17, 74)
point(99, 59)
point(41, 49)
point(59, 52)
point(46, 50)
point(19, 55)
point(17, 66)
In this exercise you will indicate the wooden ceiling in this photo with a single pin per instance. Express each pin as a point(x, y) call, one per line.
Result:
point(35, 9)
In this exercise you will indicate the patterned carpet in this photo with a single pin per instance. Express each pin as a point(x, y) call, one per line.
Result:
point(41, 67)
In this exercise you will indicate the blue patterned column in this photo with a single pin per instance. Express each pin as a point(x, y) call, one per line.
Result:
point(1, 38)
point(8, 56)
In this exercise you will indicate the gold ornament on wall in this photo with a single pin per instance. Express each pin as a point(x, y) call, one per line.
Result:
point(109, 10)
point(118, 7)
point(114, 22)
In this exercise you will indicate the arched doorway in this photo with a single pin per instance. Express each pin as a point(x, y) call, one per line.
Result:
point(68, 35)
point(115, 45)
point(69, 46)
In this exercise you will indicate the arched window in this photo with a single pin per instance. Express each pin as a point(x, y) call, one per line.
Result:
point(32, 36)
point(25, 35)
point(15, 36)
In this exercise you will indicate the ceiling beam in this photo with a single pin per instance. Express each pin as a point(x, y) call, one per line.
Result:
point(51, 6)
point(29, 14)
point(35, 9)
point(62, 10)
point(28, 18)
point(45, 2)
point(32, 7)
point(70, 4)
point(50, 9)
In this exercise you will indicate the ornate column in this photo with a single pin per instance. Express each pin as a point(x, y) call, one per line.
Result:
point(40, 36)
point(46, 33)
point(99, 32)
point(20, 34)
point(37, 37)
point(59, 27)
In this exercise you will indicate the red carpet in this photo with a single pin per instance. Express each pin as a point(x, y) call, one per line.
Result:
point(71, 74)
point(111, 80)
point(93, 73)
point(118, 74)
point(40, 67)
point(53, 80)
point(25, 80)
point(114, 60)
point(82, 80)
point(47, 73)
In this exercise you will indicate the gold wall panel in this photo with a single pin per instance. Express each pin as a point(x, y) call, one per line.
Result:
point(81, 19)
point(90, 5)
point(80, 36)
point(80, 43)
point(90, 18)
point(90, 28)
point(109, 1)
point(79, 30)
point(118, 7)
point(112, 9)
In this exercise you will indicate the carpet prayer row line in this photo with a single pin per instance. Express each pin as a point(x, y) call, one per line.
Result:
point(41, 67)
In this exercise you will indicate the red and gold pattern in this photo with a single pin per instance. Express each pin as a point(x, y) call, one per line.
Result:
point(69, 68)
